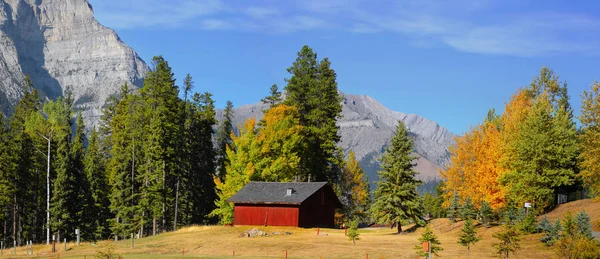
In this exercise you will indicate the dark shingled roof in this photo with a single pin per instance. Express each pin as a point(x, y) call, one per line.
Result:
point(275, 193)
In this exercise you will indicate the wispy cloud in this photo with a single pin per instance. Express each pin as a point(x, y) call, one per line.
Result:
point(487, 27)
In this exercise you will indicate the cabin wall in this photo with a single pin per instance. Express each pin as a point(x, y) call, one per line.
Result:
point(318, 210)
point(273, 215)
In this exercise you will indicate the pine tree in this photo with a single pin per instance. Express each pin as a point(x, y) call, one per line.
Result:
point(544, 226)
point(224, 139)
point(469, 235)
point(121, 166)
point(8, 165)
point(396, 198)
point(312, 89)
point(509, 239)
point(97, 210)
point(486, 214)
point(468, 210)
point(429, 236)
point(274, 98)
point(353, 234)
point(160, 111)
point(64, 191)
point(201, 190)
point(453, 210)
point(583, 225)
point(528, 223)
point(83, 196)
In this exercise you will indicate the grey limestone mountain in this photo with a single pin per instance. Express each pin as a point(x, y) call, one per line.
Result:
point(61, 46)
point(367, 128)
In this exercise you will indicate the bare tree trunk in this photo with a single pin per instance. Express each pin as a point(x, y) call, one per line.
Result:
point(164, 223)
point(154, 225)
point(116, 234)
point(399, 227)
point(133, 167)
point(48, 197)
point(14, 226)
point(176, 204)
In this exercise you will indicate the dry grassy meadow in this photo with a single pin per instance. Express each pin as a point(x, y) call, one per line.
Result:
point(221, 242)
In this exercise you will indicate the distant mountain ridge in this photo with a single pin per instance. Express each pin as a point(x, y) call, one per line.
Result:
point(367, 128)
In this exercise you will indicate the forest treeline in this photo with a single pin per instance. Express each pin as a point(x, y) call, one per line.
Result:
point(532, 152)
point(160, 160)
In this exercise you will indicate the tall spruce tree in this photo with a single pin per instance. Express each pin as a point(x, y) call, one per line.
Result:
point(201, 191)
point(97, 210)
point(160, 102)
point(83, 196)
point(121, 165)
point(312, 88)
point(7, 170)
point(31, 187)
point(224, 140)
point(396, 198)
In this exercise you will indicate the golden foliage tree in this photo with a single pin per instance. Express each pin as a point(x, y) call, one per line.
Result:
point(266, 153)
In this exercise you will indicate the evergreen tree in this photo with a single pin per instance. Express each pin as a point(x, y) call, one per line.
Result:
point(312, 88)
point(396, 199)
point(528, 224)
point(32, 188)
point(486, 214)
point(121, 166)
point(453, 210)
point(435, 245)
point(469, 235)
point(274, 98)
point(7, 170)
point(83, 196)
point(468, 210)
point(353, 234)
point(544, 226)
point(509, 239)
point(160, 111)
point(97, 210)
point(201, 191)
point(224, 139)
point(584, 225)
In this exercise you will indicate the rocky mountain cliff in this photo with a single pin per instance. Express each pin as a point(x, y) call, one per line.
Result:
point(367, 128)
point(61, 46)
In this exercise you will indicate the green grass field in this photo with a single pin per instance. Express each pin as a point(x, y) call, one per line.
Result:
point(221, 242)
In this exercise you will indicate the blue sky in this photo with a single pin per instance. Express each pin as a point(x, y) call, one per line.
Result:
point(448, 61)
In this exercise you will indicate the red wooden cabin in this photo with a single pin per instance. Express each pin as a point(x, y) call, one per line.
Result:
point(285, 204)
